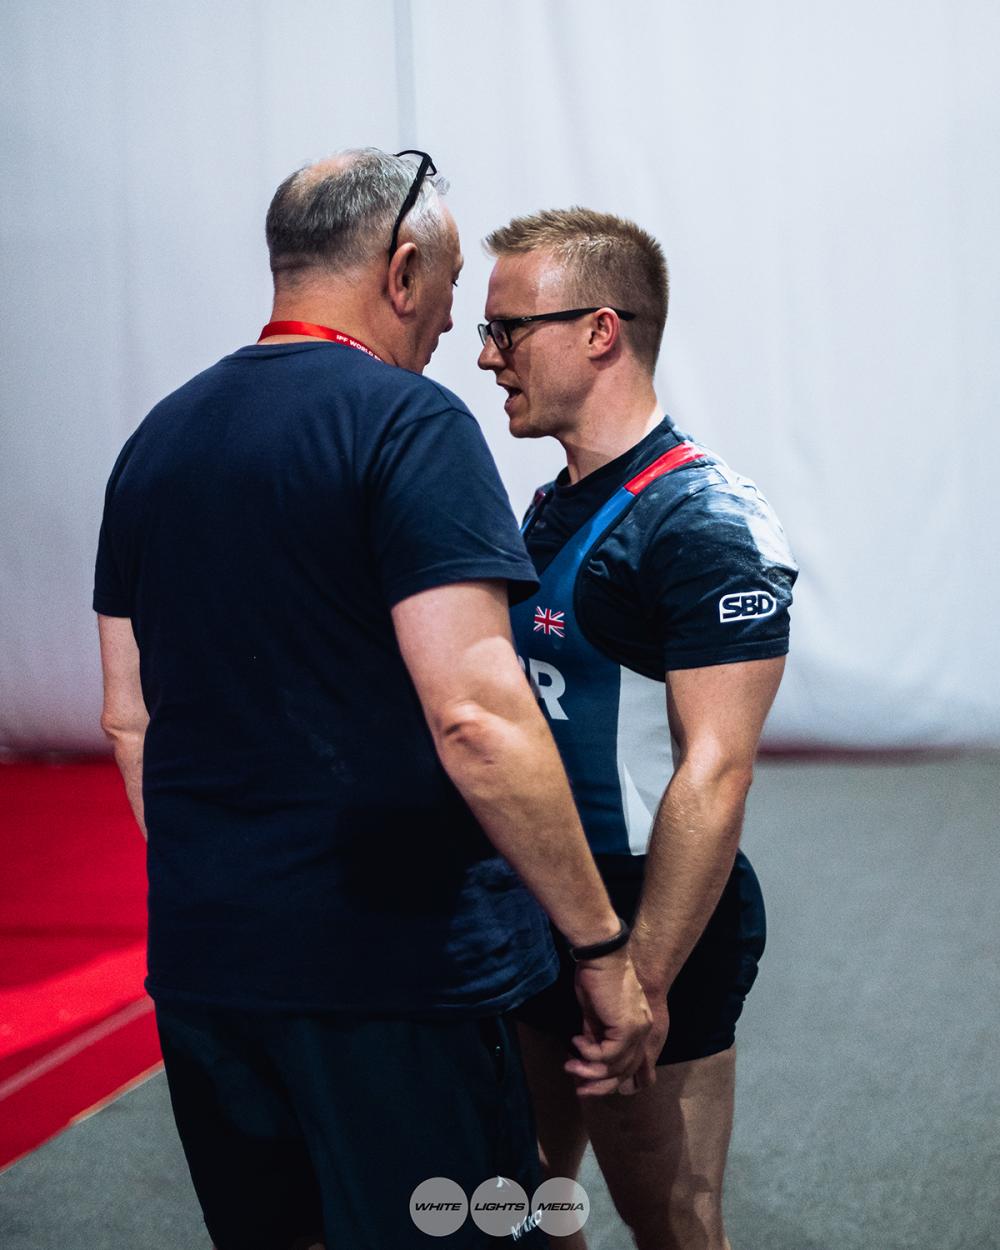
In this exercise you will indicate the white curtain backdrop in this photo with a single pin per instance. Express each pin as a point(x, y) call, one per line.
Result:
point(824, 179)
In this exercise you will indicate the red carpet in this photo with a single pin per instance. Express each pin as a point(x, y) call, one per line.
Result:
point(76, 1027)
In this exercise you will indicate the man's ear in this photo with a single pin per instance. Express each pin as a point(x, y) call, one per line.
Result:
point(402, 275)
point(605, 332)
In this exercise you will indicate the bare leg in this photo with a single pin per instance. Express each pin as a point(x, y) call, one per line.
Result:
point(562, 1136)
point(663, 1153)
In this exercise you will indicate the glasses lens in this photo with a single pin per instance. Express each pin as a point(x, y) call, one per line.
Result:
point(483, 332)
point(500, 336)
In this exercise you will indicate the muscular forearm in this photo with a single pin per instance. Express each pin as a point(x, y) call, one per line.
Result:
point(508, 770)
point(493, 742)
point(694, 842)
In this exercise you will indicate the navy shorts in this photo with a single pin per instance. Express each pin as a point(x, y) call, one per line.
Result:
point(305, 1128)
point(706, 998)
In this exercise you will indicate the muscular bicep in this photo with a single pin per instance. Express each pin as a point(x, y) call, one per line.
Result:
point(124, 709)
point(717, 713)
point(456, 643)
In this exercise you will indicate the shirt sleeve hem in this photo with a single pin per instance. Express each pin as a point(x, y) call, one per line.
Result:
point(522, 581)
point(109, 607)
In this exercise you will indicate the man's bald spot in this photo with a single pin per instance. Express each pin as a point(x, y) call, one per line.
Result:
point(309, 175)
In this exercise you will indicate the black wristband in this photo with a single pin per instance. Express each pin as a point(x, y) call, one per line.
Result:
point(580, 953)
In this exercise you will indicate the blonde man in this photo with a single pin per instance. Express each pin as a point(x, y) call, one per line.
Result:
point(656, 643)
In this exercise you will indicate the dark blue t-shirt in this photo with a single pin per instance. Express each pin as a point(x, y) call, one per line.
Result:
point(306, 849)
point(698, 573)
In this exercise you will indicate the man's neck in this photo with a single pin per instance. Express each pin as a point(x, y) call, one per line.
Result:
point(606, 431)
point(336, 312)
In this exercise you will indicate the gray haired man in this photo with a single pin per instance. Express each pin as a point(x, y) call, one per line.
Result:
point(302, 585)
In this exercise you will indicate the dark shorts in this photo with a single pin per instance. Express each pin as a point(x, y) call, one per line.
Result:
point(318, 1128)
point(706, 998)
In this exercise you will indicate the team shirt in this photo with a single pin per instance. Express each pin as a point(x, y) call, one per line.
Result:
point(663, 559)
point(306, 849)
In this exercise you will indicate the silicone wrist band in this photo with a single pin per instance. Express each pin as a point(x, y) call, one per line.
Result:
point(580, 953)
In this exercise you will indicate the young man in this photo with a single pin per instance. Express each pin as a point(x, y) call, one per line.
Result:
point(317, 624)
point(656, 643)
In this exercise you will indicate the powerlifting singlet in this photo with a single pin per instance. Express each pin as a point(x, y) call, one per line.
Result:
point(609, 722)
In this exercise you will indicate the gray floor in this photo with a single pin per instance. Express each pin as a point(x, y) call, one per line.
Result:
point(869, 1097)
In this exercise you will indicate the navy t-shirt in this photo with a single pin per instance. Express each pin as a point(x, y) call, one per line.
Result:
point(306, 849)
point(666, 588)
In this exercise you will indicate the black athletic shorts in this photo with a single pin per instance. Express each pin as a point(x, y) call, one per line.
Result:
point(706, 998)
point(305, 1128)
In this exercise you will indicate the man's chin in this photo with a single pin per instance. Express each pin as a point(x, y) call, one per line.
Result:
point(517, 427)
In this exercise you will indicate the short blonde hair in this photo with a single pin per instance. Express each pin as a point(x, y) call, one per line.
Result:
point(609, 261)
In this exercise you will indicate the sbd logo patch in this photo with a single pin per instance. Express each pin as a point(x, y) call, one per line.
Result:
point(746, 605)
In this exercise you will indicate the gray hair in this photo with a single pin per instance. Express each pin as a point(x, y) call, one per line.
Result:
point(338, 214)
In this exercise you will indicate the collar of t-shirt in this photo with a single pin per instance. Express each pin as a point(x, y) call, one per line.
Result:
point(569, 504)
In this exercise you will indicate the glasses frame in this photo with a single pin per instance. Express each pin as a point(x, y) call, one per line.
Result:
point(508, 324)
point(425, 169)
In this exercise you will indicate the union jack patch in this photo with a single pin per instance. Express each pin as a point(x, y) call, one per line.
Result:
point(549, 622)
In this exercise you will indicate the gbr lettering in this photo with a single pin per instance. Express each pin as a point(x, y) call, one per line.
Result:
point(548, 684)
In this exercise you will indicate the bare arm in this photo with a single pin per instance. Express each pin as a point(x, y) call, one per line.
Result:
point(716, 716)
point(493, 742)
point(124, 717)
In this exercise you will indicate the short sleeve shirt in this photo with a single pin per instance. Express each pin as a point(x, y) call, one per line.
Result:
point(698, 573)
point(306, 849)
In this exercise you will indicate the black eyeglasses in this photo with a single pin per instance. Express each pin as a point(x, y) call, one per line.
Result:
point(424, 169)
point(499, 328)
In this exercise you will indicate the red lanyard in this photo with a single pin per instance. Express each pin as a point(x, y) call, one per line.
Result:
point(315, 332)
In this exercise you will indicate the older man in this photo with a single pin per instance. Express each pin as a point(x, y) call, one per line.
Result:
point(303, 575)
point(656, 645)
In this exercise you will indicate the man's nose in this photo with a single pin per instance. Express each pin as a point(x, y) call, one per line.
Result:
point(489, 357)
